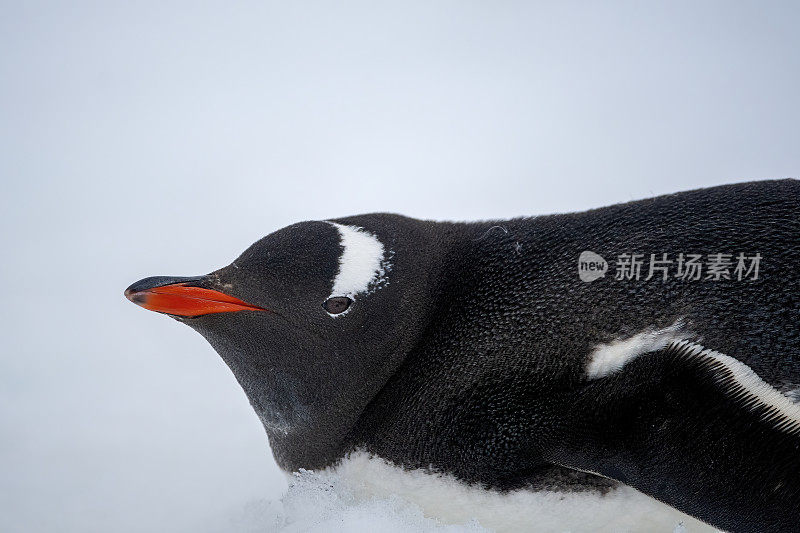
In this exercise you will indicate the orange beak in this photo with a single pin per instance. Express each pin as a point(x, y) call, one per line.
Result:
point(183, 300)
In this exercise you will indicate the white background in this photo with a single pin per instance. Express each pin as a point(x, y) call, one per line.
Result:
point(164, 137)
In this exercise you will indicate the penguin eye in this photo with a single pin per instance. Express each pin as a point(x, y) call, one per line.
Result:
point(337, 304)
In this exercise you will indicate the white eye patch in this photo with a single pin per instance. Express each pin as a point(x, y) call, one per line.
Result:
point(362, 265)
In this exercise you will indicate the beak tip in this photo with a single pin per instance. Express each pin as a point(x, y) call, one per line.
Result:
point(138, 292)
point(139, 298)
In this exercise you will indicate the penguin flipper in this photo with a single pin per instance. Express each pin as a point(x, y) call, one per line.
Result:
point(695, 429)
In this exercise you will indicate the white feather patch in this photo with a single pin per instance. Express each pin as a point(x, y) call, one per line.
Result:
point(608, 358)
point(450, 501)
point(361, 264)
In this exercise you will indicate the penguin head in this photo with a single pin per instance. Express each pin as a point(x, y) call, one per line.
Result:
point(313, 320)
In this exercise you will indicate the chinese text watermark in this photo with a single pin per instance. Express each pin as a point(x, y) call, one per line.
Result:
point(664, 266)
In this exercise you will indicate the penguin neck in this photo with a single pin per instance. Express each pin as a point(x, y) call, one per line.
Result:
point(440, 382)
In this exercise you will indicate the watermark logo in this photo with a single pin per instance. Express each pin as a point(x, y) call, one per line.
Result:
point(663, 266)
point(591, 266)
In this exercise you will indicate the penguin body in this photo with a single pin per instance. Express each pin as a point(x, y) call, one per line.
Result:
point(479, 351)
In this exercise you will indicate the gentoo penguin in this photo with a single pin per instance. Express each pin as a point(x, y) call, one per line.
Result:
point(652, 344)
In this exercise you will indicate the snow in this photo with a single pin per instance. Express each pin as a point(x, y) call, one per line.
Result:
point(326, 502)
point(320, 502)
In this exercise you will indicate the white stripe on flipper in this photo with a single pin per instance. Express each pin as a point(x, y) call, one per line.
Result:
point(361, 264)
point(741, 383)
point(608, 358)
